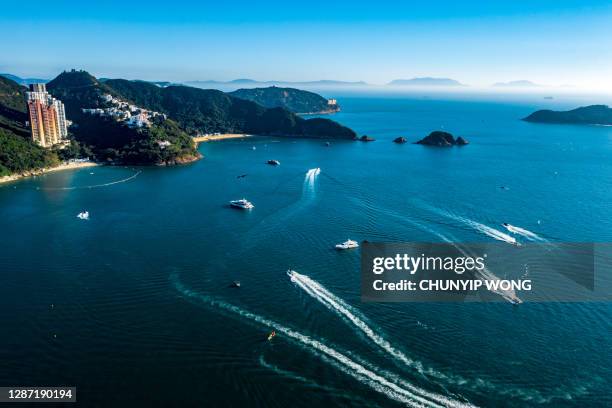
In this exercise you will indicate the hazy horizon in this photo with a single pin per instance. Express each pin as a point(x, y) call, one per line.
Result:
point(551, 43)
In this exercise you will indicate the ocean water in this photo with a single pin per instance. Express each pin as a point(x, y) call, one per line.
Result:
point(133, 306)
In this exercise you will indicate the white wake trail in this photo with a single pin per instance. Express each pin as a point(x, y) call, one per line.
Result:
point(532, 236)
point(310, 178)
point(338, 306)
point(366, 375)
point(485, 229)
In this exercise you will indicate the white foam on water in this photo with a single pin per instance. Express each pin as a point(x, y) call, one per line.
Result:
point(338, 306)
point(364, 373)
point(532, 236)
point(485, 229)
point(310, 178)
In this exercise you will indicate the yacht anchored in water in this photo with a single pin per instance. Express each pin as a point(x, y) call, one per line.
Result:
point(242, 203)
point(347, 245)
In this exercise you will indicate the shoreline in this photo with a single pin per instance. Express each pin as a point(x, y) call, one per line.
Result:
point(323, 112)
point(212, 138)
point(40, 172)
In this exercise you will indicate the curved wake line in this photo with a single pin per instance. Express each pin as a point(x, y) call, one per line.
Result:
point(341, 308)
point(133, 176)
point(338, 306)
point(363, 374)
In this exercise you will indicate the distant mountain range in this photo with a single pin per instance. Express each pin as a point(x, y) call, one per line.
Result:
point(24, 81)
point(426, 81)
point(236, 84)
point(251, 83)
point(523, 83)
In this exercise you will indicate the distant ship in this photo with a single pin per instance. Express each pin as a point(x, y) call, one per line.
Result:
point(242, 203)
point(347, 245)
point(274, 162)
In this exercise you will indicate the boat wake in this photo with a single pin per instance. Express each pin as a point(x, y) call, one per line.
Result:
point(310, 178)
point(532, 236)
point(354, 317)
point(363, 372)
point(484, 274)
point(485, 229)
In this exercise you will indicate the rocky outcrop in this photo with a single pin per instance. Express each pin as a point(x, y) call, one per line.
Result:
point(400, 140)
point(366, 138)
point(442, 139)
point(461, 141)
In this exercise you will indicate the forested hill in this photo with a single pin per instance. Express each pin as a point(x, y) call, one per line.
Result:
point(208, 111)
point(294, 100)
point(163, 142)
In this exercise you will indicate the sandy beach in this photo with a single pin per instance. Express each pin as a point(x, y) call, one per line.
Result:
point(211, 138)
point(63, 166)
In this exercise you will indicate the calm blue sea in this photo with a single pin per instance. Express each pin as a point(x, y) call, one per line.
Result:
point(133, 306)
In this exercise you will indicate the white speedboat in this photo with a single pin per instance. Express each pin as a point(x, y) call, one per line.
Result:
point(347, 245)
point(242, 203)
point(83, 215)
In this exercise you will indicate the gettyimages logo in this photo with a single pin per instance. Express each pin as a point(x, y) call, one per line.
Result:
point(435, 272)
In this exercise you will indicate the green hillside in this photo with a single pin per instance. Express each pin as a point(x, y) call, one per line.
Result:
point(294, 100)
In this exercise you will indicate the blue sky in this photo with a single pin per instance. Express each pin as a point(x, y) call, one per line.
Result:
point(478, 43)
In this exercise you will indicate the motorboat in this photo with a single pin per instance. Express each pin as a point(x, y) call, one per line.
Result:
point(84, 215)
point(242, 203)
point(348, 244)
point(273, 162)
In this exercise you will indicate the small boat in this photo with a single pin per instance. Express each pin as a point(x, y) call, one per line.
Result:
point(235, 284)
point(271, 335)
point(327, 144)
point(254, 148)
point(84, 215)
point(274, 162)
point(241, 176)
point(348, 244)
point(242, 203)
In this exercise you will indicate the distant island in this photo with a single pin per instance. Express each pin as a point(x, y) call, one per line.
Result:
point(586, 115)
point(294, 100)
point(517, 84)
point(442, 139)
point(138, 122)
point(24, 81)
point(427, 81)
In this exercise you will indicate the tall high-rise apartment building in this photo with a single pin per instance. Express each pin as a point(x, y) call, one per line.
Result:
point(47, 117)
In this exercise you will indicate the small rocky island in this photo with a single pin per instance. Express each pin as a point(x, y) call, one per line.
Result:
point(365, 138)
point(585, 115)
point(400, 140)
point(442, 139)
